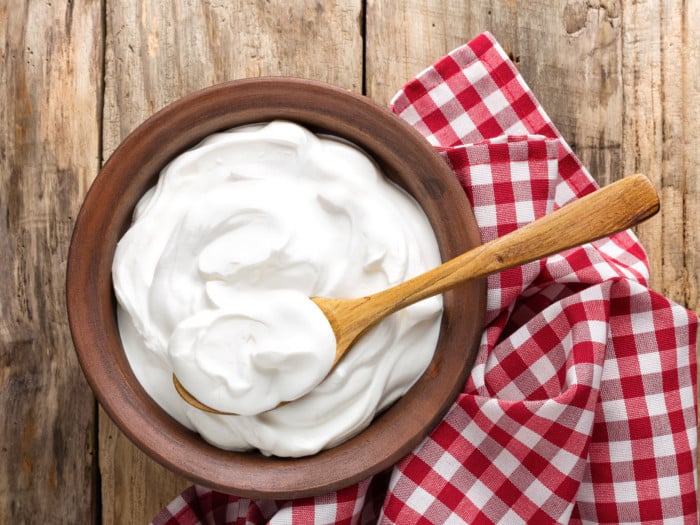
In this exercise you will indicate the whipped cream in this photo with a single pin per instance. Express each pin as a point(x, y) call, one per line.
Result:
point(214, 276)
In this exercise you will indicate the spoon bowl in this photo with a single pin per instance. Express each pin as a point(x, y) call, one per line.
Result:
point(604, 212)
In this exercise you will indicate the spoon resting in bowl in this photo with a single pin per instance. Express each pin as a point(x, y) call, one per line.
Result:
point(611, 209)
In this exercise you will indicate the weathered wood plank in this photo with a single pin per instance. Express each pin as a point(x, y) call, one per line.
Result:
point(50, 79)
point(134, 487)
point(661, 135)
point(157, 51)
point(568, 52)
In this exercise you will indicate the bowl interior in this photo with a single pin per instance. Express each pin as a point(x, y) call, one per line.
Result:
point(404, 156)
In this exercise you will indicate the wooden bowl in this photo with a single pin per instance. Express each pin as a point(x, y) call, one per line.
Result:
point(405, 157)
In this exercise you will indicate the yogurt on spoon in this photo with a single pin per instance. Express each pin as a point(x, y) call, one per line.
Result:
point(254, 352)
point(245, 218)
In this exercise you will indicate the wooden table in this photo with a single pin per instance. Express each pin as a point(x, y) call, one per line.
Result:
point(620, 80)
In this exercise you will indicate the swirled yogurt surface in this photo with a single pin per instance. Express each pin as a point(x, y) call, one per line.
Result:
point(214, 276)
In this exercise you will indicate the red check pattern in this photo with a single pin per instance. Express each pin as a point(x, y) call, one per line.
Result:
point(581, 407)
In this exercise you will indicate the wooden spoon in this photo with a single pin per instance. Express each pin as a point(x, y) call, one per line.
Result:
point(609, 210)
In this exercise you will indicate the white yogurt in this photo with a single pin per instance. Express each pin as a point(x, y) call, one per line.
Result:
point(253, 351)
point(214, 275)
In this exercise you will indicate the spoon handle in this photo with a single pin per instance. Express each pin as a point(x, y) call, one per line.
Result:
point(614, 208)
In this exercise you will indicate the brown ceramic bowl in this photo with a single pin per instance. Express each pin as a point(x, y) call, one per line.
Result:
point(404, 156)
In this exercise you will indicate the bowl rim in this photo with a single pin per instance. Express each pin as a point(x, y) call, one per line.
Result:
point(90, 297)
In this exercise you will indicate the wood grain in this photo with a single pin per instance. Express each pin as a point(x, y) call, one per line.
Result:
point(49, 152)
point(133, 487)
point(661, 136)
point(568, 53)
point(157, 51)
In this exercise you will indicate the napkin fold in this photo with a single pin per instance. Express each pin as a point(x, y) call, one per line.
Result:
point(581, 406)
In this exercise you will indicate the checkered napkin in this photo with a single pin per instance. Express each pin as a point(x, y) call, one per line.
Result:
point(581, 407)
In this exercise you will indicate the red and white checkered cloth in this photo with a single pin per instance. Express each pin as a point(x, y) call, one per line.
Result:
point(581, 407)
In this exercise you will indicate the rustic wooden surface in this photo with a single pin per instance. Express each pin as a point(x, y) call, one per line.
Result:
point(50, 74)
point(618, 78)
